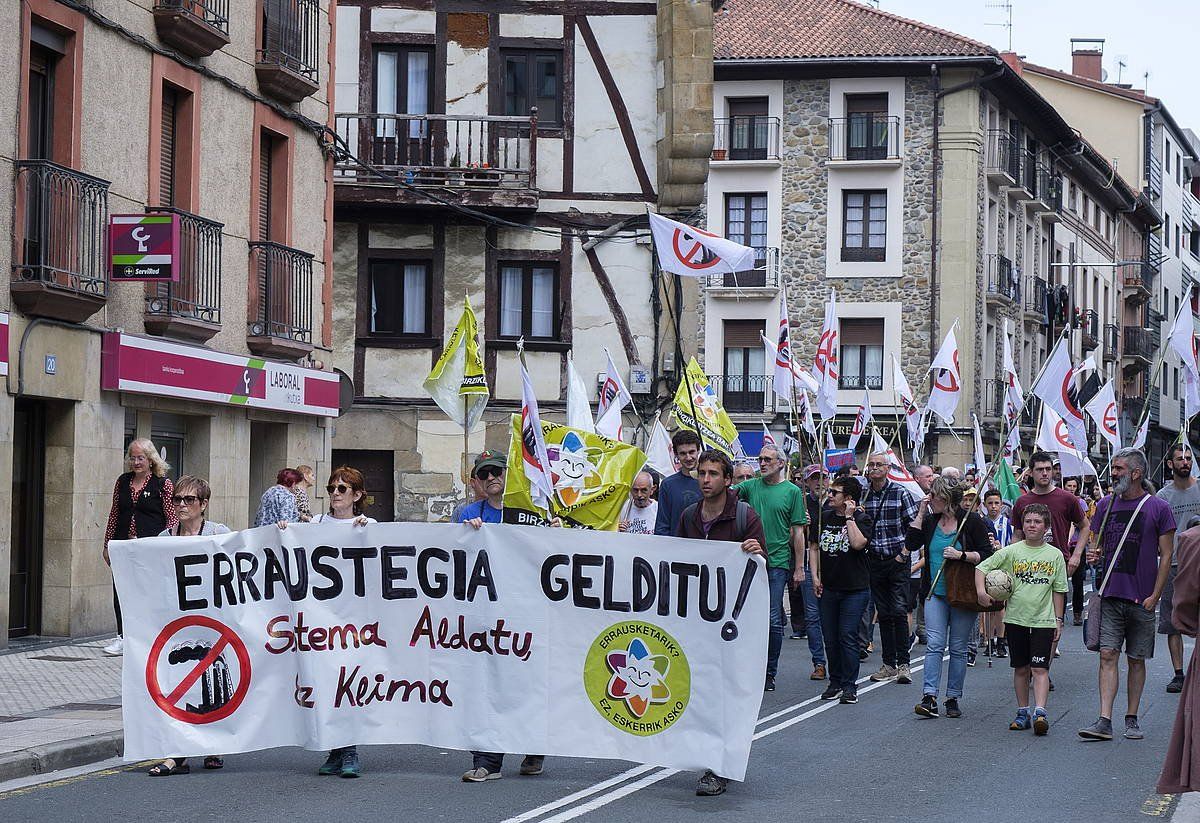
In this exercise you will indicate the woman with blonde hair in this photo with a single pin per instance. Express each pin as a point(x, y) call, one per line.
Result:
point(141, 507)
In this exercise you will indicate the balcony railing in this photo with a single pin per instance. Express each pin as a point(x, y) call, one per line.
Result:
point(1031, 413)
point(279, 317)
point(1112, 341)
point(1141, 278)
point(874, 382)
point(59, 268)
point(1030, 173)
point(1036, 294)
point(1138, 342)
point(744, 394)
point(195, 27)
point(1003, 157)
point(746, 137)
point(992, 402)
point(192, 307)
point(1002, 280)
point(1089, 325)
point(289, 52)
point(864, 136)
point(472, 152)
point(763, 275)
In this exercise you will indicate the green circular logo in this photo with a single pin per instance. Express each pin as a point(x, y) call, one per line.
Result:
point(637, 677)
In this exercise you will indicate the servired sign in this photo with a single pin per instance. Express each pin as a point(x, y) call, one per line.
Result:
point(144, 247)
point(159, 367)
point(3, 343)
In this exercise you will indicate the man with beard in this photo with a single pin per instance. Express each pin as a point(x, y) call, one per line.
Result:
point(1183, 494)
point(1135, 539)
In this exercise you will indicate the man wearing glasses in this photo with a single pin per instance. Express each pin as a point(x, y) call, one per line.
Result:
point(780, 506)
point(488, 473)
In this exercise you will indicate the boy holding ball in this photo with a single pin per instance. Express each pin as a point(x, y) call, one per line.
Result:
point(1034, 614)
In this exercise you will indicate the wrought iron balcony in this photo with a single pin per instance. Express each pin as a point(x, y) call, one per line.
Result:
point(864, 136)
point(289, 51)
point(1036, 300)
point(195, 27)
point(992, 402)
point(1002, 280)
point(190, 308)
point(1089, 324)
point(1112, 341)
point(476, 160)
point(874, 382)
point(59, 269)
point(1139, 281)
point(1138, 346)
point(1003, 158)
point(742, 394)
point(279, 316)
point(746, 137)
point(765, 275)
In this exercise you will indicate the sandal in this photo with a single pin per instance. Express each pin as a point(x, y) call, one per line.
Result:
point(169, 767)
point(213, 762)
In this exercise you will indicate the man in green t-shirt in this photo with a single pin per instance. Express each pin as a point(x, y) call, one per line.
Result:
point(780, 506)
point(1033, 616)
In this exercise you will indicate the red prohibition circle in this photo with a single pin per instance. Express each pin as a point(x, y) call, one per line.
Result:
point(686, 257)
point(1068, 401)
point(1062, 435)
point(951, 384)
point(1110, 418)
point(227, 638)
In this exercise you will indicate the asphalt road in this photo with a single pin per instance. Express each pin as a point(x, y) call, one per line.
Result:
point(815, 761)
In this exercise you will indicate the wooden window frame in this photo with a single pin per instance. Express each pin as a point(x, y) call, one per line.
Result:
point(531, 54)
point(280, 129)
point(864, 253)
point(527, 266)
point(401, 262)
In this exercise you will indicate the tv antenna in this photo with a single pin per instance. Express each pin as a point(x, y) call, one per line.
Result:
point(1008, 8)
point(1146, 81)
point(1122, 62)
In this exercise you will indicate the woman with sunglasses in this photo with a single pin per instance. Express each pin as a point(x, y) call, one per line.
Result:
point(191, 502)
point(347, 502)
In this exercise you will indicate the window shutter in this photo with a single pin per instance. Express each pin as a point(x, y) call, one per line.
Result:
point(743, 333)
point(265, 150)
point(166, 157)
point(862, 332)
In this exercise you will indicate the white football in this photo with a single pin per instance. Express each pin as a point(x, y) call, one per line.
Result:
point(998, 584)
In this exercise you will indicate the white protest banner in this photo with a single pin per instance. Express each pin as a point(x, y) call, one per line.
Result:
point(505, 639)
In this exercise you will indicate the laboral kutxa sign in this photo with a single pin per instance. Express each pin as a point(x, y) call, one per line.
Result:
point(506, 638)
point(154, 366)
point(143, 247)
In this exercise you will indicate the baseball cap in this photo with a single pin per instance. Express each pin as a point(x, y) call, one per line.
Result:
point(811, 469)
point(490, 459)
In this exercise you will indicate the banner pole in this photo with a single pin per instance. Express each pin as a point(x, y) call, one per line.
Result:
point(692, 402)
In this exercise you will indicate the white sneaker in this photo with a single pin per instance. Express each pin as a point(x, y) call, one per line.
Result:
point(114, 648)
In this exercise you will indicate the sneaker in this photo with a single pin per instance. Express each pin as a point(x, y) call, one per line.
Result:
point(711, 784)
point(798, 635)
point(1001, 647)
point(1100, 730)
point(532, 764)
point(927, 707)
point(1132, 730)
point(115, 648)
point(1057, 654)
point(885, 672)
point(350, 765)
point(1176, 684)
point(863, 655)
point(832, 693)
point(818, 672)
point(332, 764)
point(1020, 722)
point(912, 642)
point(903, 674)
point(769, 686)
point(1051, 683)
point(479, 775)
point(848, 698)
point(971, 655)
point(952, 709)
point(1078, 620)
point(1041, 723)
point(922, 639)
point(871, 647)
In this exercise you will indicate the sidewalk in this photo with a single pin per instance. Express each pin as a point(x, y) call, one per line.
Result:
point(60, 706)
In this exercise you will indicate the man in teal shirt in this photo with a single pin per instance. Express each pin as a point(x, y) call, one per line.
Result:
point(780, 506)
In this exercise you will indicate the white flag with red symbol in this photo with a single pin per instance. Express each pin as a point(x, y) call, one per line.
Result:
point(1014, 397)
point(534, 459)
point(692, 252)
point(912, 413)
point(1103, 409)
point(788, 376)
point(1139, 439)
point(825, 363)
point(805, 413)
point(614, 397)
point(947, 379)
point(1054, 436)
point(1056, 388)
point(862, 419)
point(768, 438)
point(897, 471)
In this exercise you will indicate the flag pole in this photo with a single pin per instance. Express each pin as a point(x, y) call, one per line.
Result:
point(466, 450)
point(692, 402)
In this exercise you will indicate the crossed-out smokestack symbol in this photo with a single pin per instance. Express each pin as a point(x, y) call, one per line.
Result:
point(215, 684)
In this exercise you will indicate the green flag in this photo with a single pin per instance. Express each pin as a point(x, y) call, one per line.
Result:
point(1006, 482)
point(457, 383)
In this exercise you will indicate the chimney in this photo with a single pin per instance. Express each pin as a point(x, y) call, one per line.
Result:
point(1086, 57)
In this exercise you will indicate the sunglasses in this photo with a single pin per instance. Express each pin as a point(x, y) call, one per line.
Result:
point(340, 488)
point(187, 499)
point(488, 473)
point(833, 492)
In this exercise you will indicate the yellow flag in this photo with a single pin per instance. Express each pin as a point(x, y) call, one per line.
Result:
point(457, 383)
point(591, 475)
point(714, 426)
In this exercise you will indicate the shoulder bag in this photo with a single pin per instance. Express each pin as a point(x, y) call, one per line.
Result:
point(1091, 623)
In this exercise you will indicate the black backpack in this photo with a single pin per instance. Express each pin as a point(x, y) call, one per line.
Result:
point(741, 516)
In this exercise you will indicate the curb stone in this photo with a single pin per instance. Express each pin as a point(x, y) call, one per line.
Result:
point(64, 754)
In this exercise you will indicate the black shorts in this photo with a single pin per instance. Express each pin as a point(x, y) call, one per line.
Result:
point(1029, 647)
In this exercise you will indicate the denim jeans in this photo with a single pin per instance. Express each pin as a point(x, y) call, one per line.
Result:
point(946, 624)
point(841, 612)
point(778, 579)
point(812, 616)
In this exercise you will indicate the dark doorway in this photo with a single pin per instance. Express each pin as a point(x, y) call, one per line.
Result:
point(376, 466)
point(28, 481)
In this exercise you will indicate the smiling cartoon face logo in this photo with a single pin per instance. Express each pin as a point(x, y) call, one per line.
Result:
point(571, 469)
point(637, 677)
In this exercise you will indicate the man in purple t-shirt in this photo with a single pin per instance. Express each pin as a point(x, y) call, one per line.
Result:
point(1140, 564)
